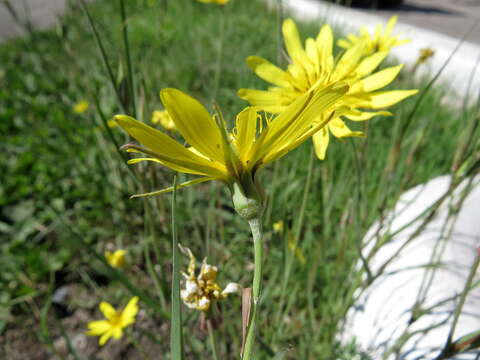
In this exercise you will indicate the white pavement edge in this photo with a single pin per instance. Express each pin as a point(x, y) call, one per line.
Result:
point(461, 74)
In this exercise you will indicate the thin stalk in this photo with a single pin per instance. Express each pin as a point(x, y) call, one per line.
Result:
point(103, 52)
point(150, 229)
point(256, 228)
point(458, 310)
point(176, 338)
point(128, 56)
point(218, 65)
point(298, 231)
point(211, 337)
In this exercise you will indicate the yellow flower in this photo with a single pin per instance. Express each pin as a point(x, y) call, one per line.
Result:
point(232, 158)
point(425, 54)
point(295, 249)
point(163, 118)
point(202, 290)
point(115, 321)
point(278, 226)
point(218, 2)
point(80, 107)
point(314, 67)
point(382, 40)
point(116, 259)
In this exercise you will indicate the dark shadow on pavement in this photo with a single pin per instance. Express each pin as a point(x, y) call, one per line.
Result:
point(427, 10)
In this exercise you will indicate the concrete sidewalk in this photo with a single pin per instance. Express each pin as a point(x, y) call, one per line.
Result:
point(453, 18)
point(41, 13)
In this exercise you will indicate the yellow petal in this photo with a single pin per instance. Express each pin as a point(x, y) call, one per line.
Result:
point(268, 72)
point(376, 81)
point(295, 121)
point(292, 41)
point(348, 62)
point(105, 337)
point(96, 328)
point(344, 44)
point(370, 63)
point(312, 52)
point(390, 25)
point(387, 98)
point(107, 310)
point(266, 100)
point(365, 115)
point(117, 333)
point(194, 122)
point(325, 46)
point(320, 123)
point(320, 143)
point(130, 311)
point(246, 125)
point(168, 150)
point(340, 130)
point(170, 188)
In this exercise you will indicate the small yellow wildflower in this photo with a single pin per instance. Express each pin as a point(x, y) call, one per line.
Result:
point(295, 249)
point(116, 259)
point(314, 66)
point(425, 54)
point(382, 40)
point(80, 107)
point(232, 158)
point(163, 118)
point(218, 2)
point(202, 290)
point(278, 226)
point(115, 321)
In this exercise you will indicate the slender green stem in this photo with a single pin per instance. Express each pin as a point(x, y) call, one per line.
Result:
point(150, 229)
point(466, 290)
point(176, 337)
point(256, 228)
point(218, 65)
point(298, 231)
point(103, 52)
point(129, 58)
point(211, 337)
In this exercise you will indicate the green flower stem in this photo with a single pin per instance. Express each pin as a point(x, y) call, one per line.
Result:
point(256, 228)
point(211, 336)
point(447, 351)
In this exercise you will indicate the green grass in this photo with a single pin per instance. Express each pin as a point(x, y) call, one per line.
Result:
point(64, 188)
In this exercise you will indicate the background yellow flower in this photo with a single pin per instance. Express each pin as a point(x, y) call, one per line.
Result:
point(115, 321)
point(315, 66)
point(116, 259)
point(80, 107)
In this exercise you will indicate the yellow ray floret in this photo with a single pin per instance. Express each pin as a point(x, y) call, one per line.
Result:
point(381, 40)
point(116, 259)
point(115, 321)
point(218, 2)
point(163, 118)
point(229, 157)
point(314, 66)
